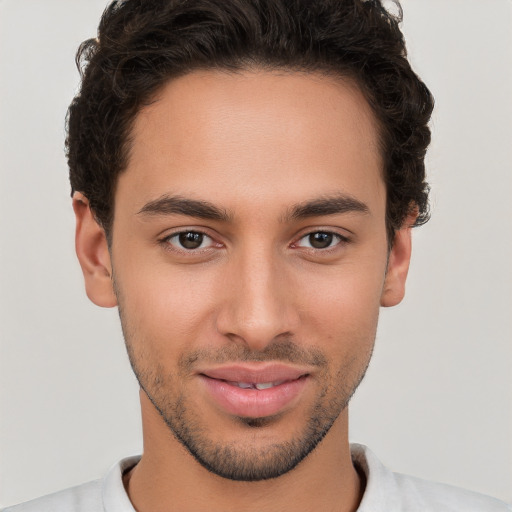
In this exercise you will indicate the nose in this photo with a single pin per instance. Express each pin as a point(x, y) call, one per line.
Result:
point(259, 304)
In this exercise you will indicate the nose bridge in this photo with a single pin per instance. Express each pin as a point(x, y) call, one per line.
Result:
point(259, 306)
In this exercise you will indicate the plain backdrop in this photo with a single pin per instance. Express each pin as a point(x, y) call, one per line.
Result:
point(437, 401)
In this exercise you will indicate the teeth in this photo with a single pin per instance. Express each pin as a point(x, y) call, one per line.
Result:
point(243, 385)
point(259, 385)
point(267, 385)
point(264, 385)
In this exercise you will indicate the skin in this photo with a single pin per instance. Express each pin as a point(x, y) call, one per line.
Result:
point(254, 145)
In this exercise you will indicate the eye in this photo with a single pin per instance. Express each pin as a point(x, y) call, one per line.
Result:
point(320, 240)
point(189, 240)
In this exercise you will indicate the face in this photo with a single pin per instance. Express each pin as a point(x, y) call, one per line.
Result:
point(250, 258)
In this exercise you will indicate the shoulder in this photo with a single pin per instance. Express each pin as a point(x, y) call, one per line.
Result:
point(386, 490)
point(82, 498)
point(104, 495)
point(418, 494)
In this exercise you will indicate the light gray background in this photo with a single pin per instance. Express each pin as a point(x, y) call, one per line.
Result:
point(437, 401)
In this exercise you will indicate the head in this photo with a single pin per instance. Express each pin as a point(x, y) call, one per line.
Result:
point(247, 173)
point(142, 45)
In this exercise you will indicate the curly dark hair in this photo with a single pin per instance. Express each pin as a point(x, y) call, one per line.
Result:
point(142, 44)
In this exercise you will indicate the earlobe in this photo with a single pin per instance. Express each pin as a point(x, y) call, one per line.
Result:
point(398, 266)
point(93, 254)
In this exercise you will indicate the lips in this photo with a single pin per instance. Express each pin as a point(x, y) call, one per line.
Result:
point(254, 391)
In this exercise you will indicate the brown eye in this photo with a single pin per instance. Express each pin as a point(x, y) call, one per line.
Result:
point(320, 240)
point(189, 240)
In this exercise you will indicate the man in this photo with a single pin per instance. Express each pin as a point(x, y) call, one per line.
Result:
point(245, 177)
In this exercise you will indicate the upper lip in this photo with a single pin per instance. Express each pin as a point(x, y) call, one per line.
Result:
point(255, 373)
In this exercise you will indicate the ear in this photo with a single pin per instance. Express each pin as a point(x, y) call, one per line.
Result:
point(398, 265)
point(93, 254)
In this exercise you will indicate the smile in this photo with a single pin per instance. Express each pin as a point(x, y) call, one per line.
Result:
point(258, 385)
point(254, 391)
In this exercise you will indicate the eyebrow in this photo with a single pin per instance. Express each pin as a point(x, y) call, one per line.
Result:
point(168, 205)
point(331, 205)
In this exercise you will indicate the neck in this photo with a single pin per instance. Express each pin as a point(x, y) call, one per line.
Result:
point(169, 478)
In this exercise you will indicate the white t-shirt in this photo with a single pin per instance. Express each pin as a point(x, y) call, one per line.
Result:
point(385, 492)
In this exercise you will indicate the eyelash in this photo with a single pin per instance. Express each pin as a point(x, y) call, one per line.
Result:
point(340, 240)
point(166, 241)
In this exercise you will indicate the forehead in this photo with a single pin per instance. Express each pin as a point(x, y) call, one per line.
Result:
point(277, 136)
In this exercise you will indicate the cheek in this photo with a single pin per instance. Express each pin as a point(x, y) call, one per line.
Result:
point(168, 309)
point(343, 309)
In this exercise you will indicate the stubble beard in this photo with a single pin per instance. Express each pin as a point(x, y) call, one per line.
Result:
point(233, 461)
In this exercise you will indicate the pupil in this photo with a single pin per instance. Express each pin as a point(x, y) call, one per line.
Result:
point(320, 240)
point(191, 240)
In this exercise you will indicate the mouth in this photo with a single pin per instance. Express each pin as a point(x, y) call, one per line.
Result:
point(254, 391)
point(258, 385)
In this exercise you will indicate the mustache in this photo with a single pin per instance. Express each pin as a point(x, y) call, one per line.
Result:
point(285, 351)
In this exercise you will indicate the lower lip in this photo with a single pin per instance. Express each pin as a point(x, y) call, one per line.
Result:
point(254, 403)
